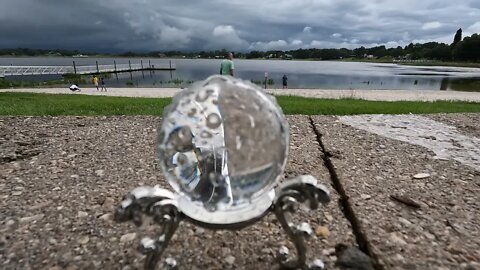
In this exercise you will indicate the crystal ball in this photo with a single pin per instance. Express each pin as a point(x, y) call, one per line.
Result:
point(222, 145)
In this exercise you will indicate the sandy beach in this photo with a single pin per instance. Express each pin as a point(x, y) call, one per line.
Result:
point(385, 95)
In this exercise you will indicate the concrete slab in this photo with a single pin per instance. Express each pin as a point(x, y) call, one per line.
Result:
point(443, 233)
point(61, 177)
point(467, 123)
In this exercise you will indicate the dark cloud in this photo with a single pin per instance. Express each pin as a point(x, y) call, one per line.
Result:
point(145, 25)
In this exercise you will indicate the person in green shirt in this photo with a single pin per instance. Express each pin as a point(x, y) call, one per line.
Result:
point(227, 66)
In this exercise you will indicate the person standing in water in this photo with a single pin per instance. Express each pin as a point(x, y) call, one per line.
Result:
point(227, 66)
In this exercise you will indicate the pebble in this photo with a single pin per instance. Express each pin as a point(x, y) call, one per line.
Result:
point(322, 231)
point(404, 222)
point(230, 260)
point(75, 176)
point(77, 258)
point(328, 251)
point(399, 258)
point(106, 217)
point(82, 214)
point(99, 172)
point(421, 176)
point(84, 240)
point(225, 251)
point(365, 196)
point(52, 241)
point(10, 222)
point(17, 193)
point(56, 189)
point(129, 237)
point(397, 240)
point(31, 218)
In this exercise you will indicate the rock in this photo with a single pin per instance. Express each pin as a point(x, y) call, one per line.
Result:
point(352, 258)
point(316, 265)
point(99, 172)
point(129, 237)
point(74, 176)
point(328, 251)
point(52, 241)
point(398, 258)
point(109, 202)
point(396, 239)
point(328, 217)
point(322, 231)
point(230, 260)
point(56, 189)
point(472, 266)
point(82, 214)
point(31, 218)
point(106, 217)
point(365, 196)
point(10, 222)
point(84, 240)
point(404, 222)
point(225, 251)
point(421, 175)
point(17, 193)
point(200, 230)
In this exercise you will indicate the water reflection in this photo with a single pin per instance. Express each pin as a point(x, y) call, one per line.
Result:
point(301, 74)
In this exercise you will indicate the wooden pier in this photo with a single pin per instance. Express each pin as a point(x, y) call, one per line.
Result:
point(81, 70)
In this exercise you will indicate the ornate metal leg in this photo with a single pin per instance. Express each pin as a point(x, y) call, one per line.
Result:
point(296, 191)
point(161, 206)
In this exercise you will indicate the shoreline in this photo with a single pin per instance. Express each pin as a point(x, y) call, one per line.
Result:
point(374, 95)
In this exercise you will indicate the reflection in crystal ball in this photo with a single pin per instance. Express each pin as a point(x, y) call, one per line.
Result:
point(222, 144)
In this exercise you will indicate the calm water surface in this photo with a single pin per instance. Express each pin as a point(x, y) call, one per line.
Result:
point(301, 74)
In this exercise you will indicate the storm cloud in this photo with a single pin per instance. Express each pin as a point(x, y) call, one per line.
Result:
point(240, 25)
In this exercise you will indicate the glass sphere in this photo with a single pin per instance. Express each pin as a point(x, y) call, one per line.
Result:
point(222, 145)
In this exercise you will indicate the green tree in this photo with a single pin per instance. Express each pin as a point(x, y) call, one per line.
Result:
point(468, 49)
point(458, 37)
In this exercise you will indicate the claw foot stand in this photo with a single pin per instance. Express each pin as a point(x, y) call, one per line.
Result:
point(162, 207)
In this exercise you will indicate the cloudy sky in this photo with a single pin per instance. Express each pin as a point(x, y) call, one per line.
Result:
point(238, 25)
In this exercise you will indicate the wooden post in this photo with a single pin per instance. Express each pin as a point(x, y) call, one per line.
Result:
point(170, 64)
point(115, 66)
point(130, 65)
point(74, 68)
point(149, 64)
point(98, 71)
point(141, 64)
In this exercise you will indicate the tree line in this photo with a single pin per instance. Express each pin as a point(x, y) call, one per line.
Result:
point(461, 49)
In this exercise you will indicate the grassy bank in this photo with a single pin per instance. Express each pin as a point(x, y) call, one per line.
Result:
point(60, 104)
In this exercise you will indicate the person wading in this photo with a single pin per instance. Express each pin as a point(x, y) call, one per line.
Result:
point(227, 66)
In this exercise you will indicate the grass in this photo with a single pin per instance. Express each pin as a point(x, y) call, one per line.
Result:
point(59, 104)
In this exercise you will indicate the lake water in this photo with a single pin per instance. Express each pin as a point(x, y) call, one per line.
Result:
point(301, 74)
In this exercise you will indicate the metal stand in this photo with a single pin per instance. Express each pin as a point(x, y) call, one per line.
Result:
point(160, 204)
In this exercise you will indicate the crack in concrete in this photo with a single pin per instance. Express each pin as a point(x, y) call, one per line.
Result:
point(346, 207)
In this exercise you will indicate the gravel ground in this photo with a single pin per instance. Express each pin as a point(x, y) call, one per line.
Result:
point(467, 123)
point(61, 178)
point(443, 232)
